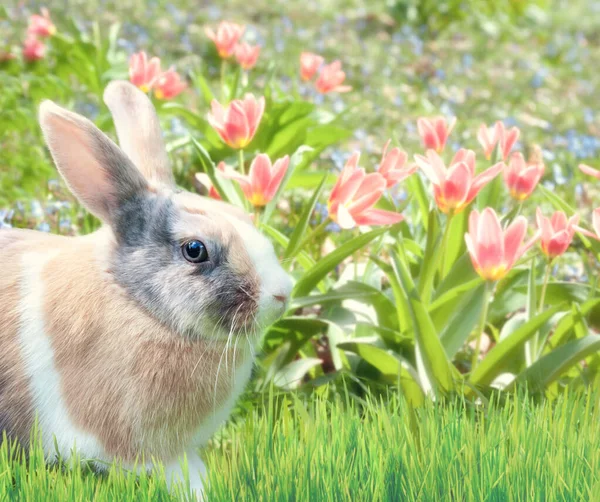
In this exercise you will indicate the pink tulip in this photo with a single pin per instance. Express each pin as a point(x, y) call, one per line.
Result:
point(522, 177)
point(487, 138)
point(506, 139)
point(354, 195)
point(247, 55)
point(498, 135)
point(331, 78)
point(455, 187)
point(33, 49)
point(41, 26)
point(263, 181)
point(237, 122)
point(168, 85)
point(309, 64)
point(595, 226)
point(556, 232)
point(393, 166)
point(226, 38)
point(205, 183)
point(434, 132)
point(589, 171)
point(494, 251)
point(143, 73)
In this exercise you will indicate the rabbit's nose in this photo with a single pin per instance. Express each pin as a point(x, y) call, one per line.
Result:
point(280, 298)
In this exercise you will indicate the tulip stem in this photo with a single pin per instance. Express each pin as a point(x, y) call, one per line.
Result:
point(535, 350)
point(444, 245)
point(482, 322)
point(257, 212)
point(241, 161)
point(223, 68)
point(545, 287)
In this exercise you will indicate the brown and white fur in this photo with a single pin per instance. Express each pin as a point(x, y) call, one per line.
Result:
point(116, 344)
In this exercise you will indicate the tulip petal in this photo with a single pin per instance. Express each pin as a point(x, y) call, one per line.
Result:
point(456, 186)
point(349, 181)
point(344, 218)
point(260, 174)
point(254, 110)
point(277, 174)
point(236, 125)
point(428, 134)
point(558, 221)
point(483, 179)
point(596, 221)
point(589, 171)
point(471, 248)
point(490, 240)
point(513, 238)
point(378, 217)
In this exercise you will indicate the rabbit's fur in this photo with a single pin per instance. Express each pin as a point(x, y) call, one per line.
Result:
point(113, 341)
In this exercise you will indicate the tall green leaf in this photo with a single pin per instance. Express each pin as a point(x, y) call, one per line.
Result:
point(299, 232)
point(462, 324)
point(432, 351)
point(392, 369)
point(547, 369)
point(295, 160)
point(227, 194)
point(503, 352)
point(316, 274)
point(429, 264)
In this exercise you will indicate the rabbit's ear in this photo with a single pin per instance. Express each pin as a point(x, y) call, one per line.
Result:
point(96, 170)
point(139, 131)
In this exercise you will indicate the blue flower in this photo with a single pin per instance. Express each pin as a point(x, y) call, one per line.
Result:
point(5, 218)
point(333, 227)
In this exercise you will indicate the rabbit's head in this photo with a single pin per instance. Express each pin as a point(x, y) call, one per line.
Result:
point(197, 265)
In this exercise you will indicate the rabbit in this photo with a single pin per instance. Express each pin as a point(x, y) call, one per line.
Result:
point(133, 342)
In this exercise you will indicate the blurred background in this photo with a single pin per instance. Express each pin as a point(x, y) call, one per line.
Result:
point(532, 63)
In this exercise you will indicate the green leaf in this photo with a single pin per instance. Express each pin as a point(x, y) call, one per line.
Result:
point(401, 309)
point(530, 346)
point(295, 160)
point(209, 168)
point(295, 331)
point(309, 180)
point(364, 293)
point(324, 135)
point(390, 367)
point(291, 375)
point(461, 273)
point(547, 369)
point(557, 201)
point(456, 243)
point(315, 275)
point(429, 265)
point(505, 350)
point(462, 324)
point(417, 189)
point(432, 351)
point(305, 261)
point(566, 324)
point(299, 232)
point(202, 85)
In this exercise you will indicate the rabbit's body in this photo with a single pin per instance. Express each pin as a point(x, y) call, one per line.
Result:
point(114, 380)
point(121, 343)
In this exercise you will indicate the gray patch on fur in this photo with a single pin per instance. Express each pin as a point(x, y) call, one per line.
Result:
point(126, 179)
point(201, 299)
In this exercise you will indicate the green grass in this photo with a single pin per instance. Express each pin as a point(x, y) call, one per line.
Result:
point(324, 451)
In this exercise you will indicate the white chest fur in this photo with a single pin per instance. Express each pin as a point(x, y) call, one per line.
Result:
point(38, 356)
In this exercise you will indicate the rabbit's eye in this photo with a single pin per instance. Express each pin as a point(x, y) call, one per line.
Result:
point(194, 251)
